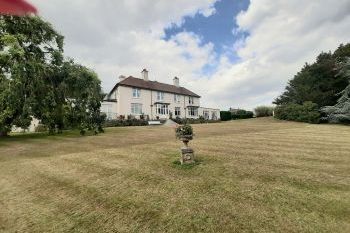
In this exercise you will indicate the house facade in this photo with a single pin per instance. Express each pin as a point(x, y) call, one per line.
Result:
point(142, 97)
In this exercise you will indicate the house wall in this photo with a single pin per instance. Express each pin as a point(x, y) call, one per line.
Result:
point(148, 99)
point(213, 113)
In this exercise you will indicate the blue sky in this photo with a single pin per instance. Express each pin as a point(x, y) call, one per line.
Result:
point(217, 28)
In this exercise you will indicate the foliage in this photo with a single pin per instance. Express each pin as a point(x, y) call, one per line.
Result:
point(35, 81)
point(225, 115)
point(30, 52)
point(184, 131)
point(307, 112)
point(128, 122)
point(263, 111)
point(340, 112)
point(241, 114)
point(200, 120)
point(317, 82)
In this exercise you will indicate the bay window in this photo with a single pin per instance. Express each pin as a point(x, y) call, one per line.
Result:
point(162, 109)
point(192, 111)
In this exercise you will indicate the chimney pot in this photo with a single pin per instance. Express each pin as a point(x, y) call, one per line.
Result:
point(121, 77)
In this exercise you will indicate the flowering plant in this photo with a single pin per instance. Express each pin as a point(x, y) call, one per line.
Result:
point(184, 131)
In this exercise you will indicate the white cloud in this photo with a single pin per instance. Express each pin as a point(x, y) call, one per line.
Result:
point(283, 35)
point(122, 37)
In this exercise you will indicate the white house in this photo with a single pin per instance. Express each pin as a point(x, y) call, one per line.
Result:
point(141, 96)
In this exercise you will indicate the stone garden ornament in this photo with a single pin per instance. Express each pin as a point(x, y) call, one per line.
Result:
point(185, 134)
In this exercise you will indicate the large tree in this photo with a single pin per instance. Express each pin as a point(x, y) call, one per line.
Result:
point(340, 112)
point(35, 81)
point(317, 82)
point(30, 52)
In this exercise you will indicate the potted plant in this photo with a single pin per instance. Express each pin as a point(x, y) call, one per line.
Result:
point(185, 134)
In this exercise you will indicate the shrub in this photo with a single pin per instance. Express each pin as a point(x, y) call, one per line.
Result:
point(40, 128)
point(263, 111)
point(308, 112)
point(127, 122)
point(184, 130)
point(200, 120)
point(225, 115)
point(242, 114)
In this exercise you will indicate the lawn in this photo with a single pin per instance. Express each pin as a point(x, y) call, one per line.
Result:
point(259, 175)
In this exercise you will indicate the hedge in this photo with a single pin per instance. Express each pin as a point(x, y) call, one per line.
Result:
point(263, 111)
point(307, 112)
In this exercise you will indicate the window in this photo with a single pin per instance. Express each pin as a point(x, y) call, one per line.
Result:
point(213, 116)
point(190, 100)
point(136, 109)
point(177, 111)
point(176, 98)
point(160, 96)
point(136, 93)
point(162, 109)
point(206, 115)
point(192, 111)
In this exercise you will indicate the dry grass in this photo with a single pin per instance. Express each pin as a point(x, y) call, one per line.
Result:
point(256, 175)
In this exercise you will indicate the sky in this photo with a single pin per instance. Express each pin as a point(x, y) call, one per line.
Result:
point(233, 53)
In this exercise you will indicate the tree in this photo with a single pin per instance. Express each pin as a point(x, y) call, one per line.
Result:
point(30, 52)
point(83, 95)
point(340, 112)
point(317, 82)
point(263, 111)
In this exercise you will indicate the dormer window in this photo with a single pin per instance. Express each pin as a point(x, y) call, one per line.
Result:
point(136, 93)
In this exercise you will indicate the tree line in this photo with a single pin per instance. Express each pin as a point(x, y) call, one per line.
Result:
point(37, 81)
point(320, 91)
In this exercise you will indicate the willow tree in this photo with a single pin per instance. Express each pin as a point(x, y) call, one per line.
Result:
point(30, 53)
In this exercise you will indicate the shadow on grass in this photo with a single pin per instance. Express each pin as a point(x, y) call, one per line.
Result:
point(21, 137)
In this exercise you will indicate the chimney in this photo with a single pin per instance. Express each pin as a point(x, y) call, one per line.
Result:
point(144, 73)
point(176, 82)
point(121, 78)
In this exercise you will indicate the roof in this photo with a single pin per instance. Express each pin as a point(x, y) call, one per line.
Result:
point(154, 85)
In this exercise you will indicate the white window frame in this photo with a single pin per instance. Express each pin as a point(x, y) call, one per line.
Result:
point(190, 100)
point(177, 111)
point(136, 92)
point(160, 95)
point(136, 109)
point(162, 109)
point(177, 98)
point(192, 111)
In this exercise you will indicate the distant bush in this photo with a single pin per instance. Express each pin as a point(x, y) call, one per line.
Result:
point(308, 112)
point(225, 115)
point(40, 128)
point(263, 111)
point(200, 120)
point(127, 122)
point(241, 114)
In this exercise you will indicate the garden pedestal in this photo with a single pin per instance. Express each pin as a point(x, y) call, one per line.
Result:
point(187, 155)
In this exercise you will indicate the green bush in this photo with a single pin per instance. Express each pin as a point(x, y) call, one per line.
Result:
point(40, 128)
point(200, 120)
point(241, 114)
point(263, 111)
point(308, 112)
point(225, 115)
point(127, 122)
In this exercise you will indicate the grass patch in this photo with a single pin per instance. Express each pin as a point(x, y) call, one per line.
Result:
point(177, 164)
point(256, 175)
